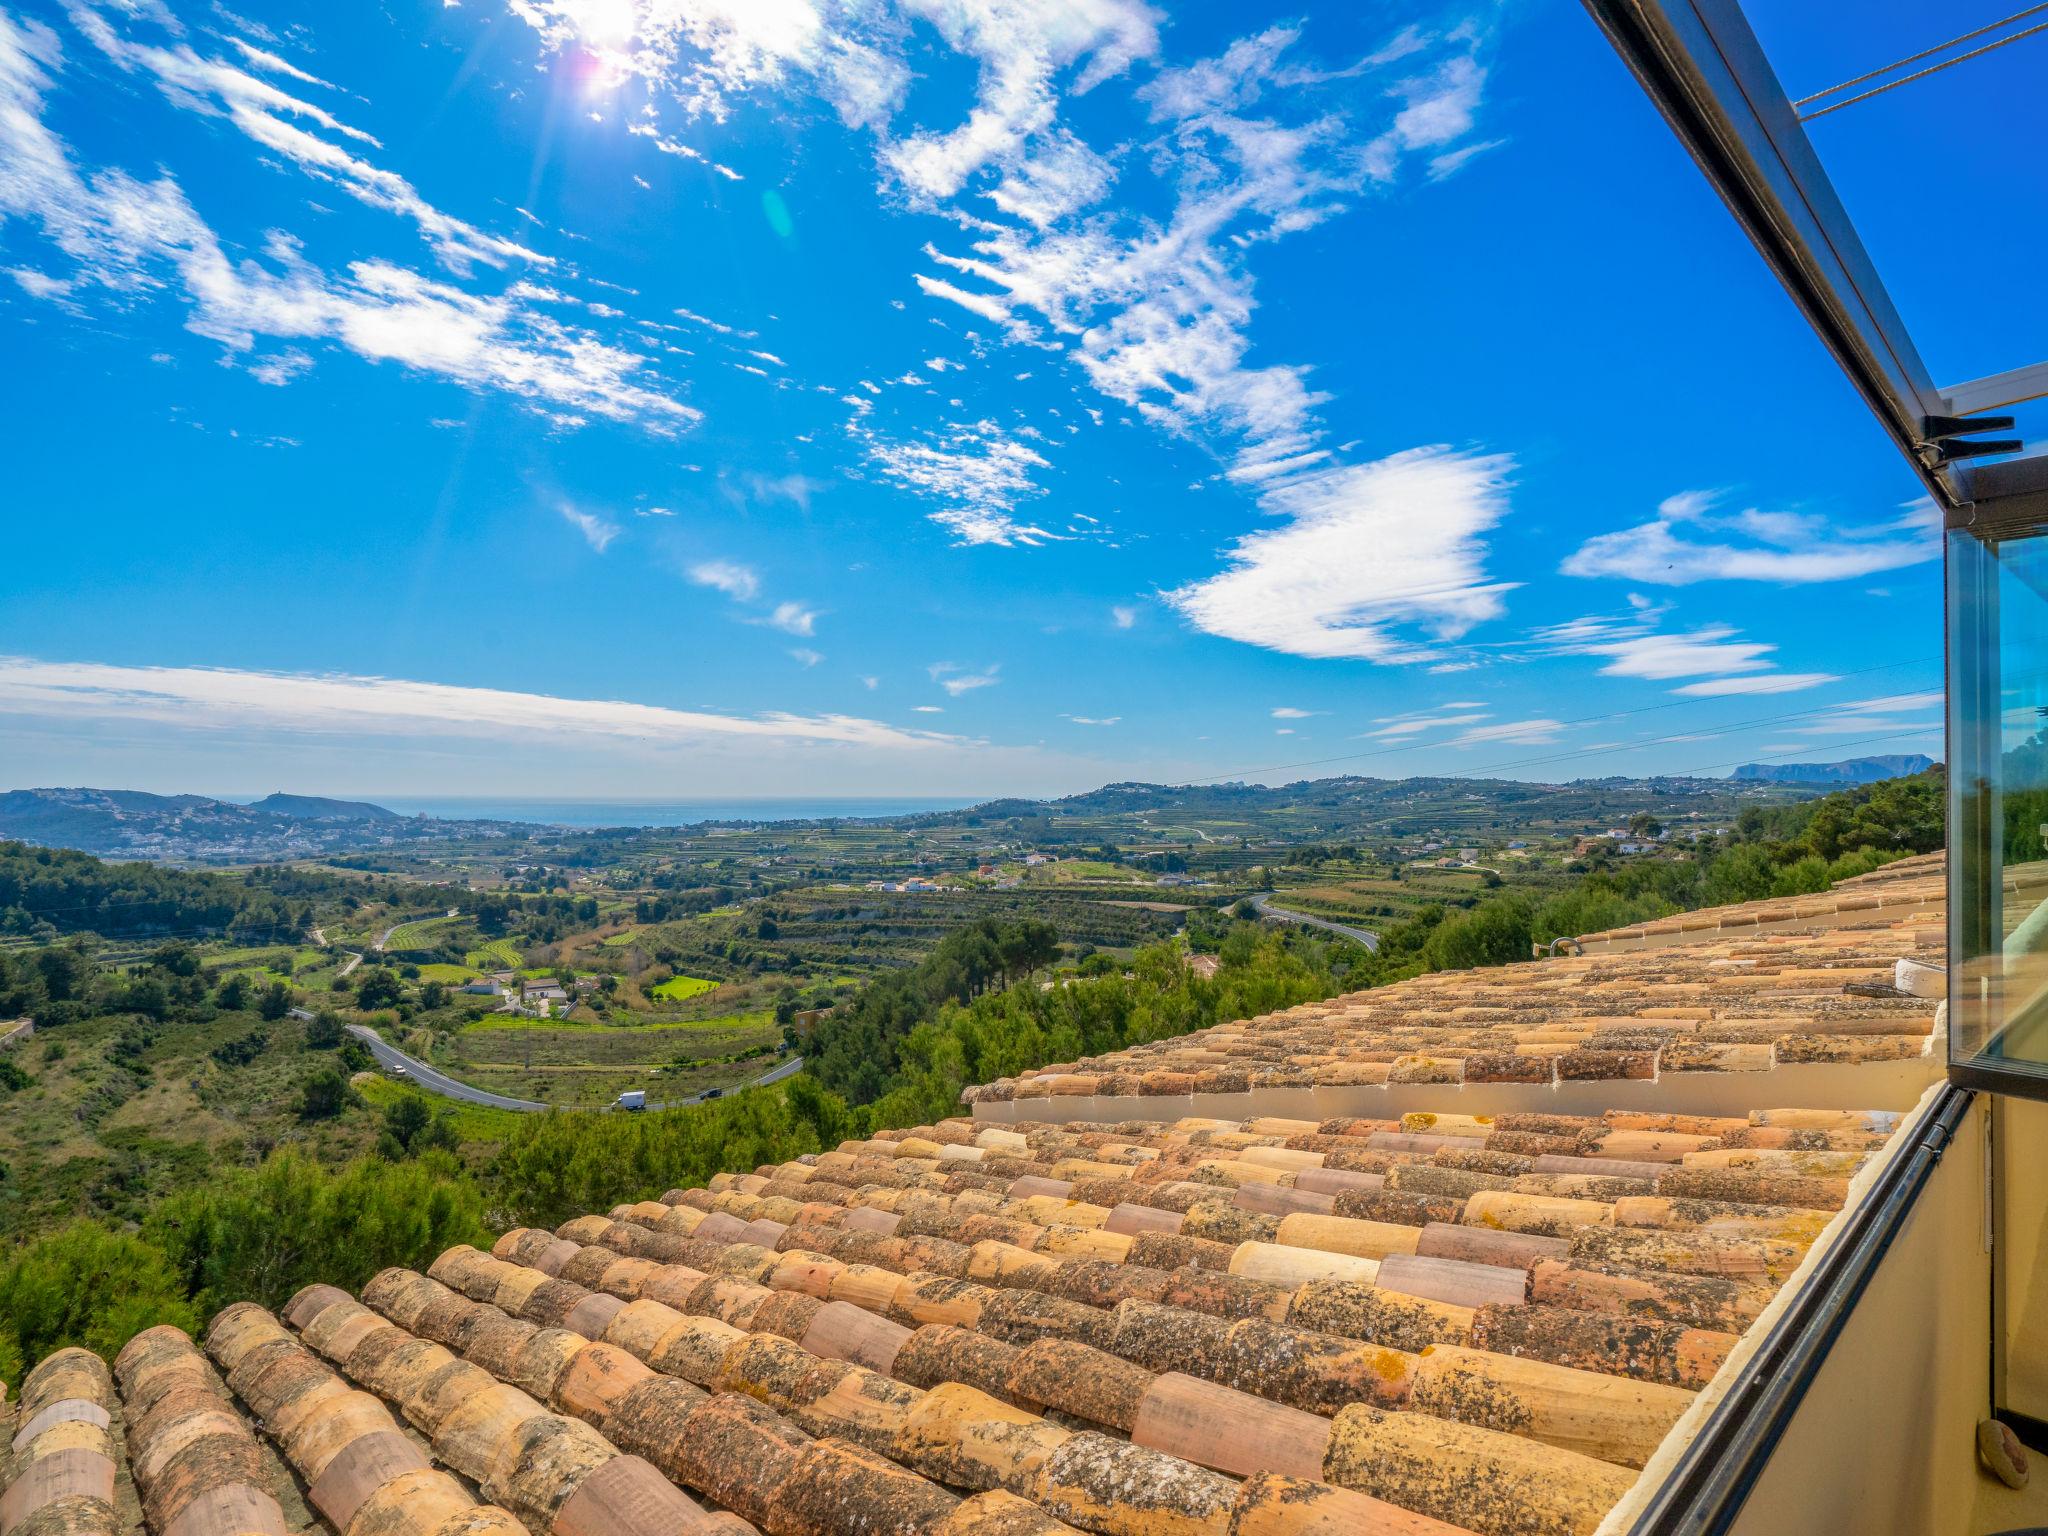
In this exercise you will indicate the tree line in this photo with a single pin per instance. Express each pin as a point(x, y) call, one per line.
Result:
point(1791, 849)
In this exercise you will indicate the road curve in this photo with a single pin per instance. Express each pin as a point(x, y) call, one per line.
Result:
point(1365, 936)
point(433, 1080)
point(436, 1081)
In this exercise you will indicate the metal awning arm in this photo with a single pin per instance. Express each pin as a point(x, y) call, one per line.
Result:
point(1703, 67)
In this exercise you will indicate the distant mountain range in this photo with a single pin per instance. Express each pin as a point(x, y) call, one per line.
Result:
point(126, 823)
point(1856, 770)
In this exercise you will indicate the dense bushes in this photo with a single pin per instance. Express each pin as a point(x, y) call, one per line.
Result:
point(1779, 850)
point(250, 1234)
point(566, 1163)
point(1002, 1033)
point(855, 1052)
point(84, 1284)
point(54, 889)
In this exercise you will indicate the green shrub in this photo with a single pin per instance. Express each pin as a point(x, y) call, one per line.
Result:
point(258, 1234)
point(88, 1285)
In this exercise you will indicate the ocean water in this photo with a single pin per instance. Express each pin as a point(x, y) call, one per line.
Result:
point(681, 813)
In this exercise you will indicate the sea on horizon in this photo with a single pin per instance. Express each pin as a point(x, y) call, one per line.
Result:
point(659, 813)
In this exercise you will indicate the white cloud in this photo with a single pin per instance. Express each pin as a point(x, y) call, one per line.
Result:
point(794, 619)
point(1365, 549)
point(805, 656)
point(1289, 712)
point(1635, 647)
point(1926, 699)
point(956, 680)
point(270, 63)
point(926, 709)
point(598, 532)
point(132, 239)
point(1093, 720)
point(1788, 548)
point(871, 683)
point(1522, 733)
point(1415, 725)
point(728, 576)
point(1760, 682)
point(978, 470)
point(203, 698)
point(1123, 616)
point(1247, 147)
point(273, 119)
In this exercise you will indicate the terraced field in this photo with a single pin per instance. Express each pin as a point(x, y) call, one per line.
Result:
point(495, 955)
point(591, 1064)
point(420, 934)
point(1370, 899)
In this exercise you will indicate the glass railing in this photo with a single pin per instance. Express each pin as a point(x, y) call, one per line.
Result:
point(1998, 803)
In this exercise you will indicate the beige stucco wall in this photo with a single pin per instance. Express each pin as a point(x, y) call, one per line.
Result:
point(1884, 1440)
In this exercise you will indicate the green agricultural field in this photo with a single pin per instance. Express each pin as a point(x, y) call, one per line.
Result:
point(496, 955)
point(419, 934)
point(622, 940)
point(473, 1122)
point(454, 975)
point(590, 1064)
point(681, 988)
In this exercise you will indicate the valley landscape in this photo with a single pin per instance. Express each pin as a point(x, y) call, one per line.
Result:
point(190, 1035)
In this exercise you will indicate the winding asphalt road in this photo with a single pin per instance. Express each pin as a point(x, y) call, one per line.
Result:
point(435, 1081)
point(1365, 936)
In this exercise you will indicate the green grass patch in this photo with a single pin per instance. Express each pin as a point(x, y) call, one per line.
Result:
point(680, 988)
point(442, 972)
point(473, 1122)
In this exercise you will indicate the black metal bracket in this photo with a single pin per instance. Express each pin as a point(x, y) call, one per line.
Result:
point(1962, 426)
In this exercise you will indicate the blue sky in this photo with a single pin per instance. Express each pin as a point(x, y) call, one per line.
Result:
point(673, 397)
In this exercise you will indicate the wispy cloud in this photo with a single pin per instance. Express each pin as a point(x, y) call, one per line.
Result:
point(1248, 146)
point(206, 698)
point(1289, 712)
point(728, 576)
point(1365, 552)
point(978, 472)
point(1521, 733)
point(1758, 682)
point(794, 619)
point(1690, 541)
point(598, 532)
point(805, 656)
point(957, 680)
point(1399, 727)
point(1093, 720)
point(1123, 616)
point(1635, 646)
point(276, 120)
point(126, 240)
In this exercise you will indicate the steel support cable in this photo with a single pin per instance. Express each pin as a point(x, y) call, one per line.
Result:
point(1932, 69)
point(1914, 58)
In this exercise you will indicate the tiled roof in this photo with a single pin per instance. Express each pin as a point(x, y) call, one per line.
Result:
point(1736, 997)
point(1453, 1316)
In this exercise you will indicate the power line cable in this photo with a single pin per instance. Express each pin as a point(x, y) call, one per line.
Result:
point(1620, 714)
